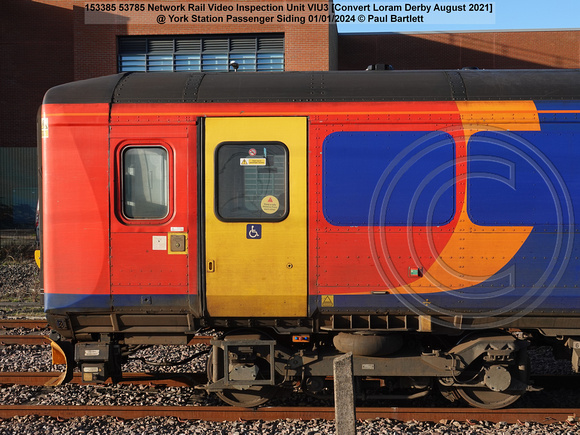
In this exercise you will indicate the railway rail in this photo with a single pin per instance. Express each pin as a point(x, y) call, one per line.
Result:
point(227, 413)
point(23, 323)
point(46, 378)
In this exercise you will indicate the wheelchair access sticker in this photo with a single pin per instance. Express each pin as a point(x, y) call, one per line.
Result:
point(253, 231)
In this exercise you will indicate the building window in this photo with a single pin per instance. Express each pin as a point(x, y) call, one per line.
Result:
point(211, 53)
point(251, 181)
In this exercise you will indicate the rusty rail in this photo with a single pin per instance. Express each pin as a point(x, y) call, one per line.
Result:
point(23, 323)
point(168, 379)
point(27, 340)
point(226, 413)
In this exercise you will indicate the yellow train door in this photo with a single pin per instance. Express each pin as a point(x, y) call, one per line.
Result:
point(255, 217)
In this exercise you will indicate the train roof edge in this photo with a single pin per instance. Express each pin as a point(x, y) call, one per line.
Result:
point(331, 86)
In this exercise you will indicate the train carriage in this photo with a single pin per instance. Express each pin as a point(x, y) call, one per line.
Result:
point(422, 220)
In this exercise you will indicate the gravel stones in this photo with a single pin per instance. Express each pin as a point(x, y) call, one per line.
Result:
point(19, 281)
point(173, 426)
point(154, 358)
point(21, 358)
point(20, 289)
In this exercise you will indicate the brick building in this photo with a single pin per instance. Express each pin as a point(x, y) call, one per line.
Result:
point(44, 43)
point(485, 50)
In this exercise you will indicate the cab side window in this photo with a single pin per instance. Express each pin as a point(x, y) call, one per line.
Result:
point(145, 183)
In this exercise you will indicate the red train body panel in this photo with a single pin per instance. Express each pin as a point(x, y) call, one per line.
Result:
point(313, 204)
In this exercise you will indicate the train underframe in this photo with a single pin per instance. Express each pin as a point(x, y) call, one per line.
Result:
point(251, 361)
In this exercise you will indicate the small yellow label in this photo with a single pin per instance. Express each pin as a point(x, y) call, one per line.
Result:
point(328, 301)
point(252, 162)
point(270, 204)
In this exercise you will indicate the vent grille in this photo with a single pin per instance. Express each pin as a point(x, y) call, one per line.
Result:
point(188, 45)
point(271, 44)
point(220, 45)
point(243, 45)
point(160, 46)
point(133, 46)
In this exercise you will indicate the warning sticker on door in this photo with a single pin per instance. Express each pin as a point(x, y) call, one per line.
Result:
point(270, 204)
point(252, 162)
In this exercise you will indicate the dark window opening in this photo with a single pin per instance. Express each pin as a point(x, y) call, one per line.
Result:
point(145, 183)
point(252, 181)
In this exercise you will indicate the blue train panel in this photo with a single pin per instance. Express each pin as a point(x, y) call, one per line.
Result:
point(524, 178)
point(388, 178)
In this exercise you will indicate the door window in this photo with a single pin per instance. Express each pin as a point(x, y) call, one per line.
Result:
point(252, 181)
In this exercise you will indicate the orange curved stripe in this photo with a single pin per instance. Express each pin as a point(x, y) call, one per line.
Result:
point(473, 254)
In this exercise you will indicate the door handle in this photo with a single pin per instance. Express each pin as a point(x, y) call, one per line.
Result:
point(211, 266)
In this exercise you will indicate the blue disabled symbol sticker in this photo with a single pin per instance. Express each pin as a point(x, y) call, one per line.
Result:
point(253, 231)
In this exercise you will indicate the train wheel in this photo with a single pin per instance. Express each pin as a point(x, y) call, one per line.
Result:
point(248, 398)
point(495, 396)
point(254, 396)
